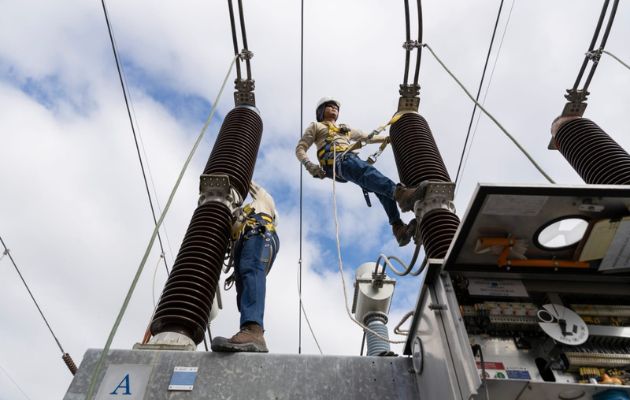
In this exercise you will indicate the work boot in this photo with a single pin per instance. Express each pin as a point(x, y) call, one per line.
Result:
point(405, 197)
point(402, 232)
point(249, 339)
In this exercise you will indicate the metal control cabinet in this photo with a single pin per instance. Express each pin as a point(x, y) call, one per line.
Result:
point(461, 299)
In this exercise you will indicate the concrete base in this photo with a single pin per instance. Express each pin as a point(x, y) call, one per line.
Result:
point(146, 374)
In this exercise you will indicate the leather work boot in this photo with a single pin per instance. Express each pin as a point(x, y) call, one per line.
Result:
point(403, 232)
point(405, 197)
point(248, 339)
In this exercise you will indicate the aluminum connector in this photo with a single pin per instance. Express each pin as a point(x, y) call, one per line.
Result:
point(433, 196)
point(217, 188)
point(409, 98)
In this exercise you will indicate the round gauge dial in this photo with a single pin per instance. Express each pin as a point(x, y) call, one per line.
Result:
point(562, 325)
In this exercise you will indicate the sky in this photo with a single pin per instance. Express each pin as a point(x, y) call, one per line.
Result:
point(74, 212)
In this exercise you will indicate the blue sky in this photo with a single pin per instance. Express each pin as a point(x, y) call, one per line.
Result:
point(74, 211)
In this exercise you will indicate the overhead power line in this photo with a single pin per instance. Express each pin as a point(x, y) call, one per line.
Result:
point(133, 129)
point(65, 356)
point(483, 75)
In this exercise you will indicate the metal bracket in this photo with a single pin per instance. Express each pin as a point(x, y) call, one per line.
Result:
point(409, 98)
point(244, 94)
point(245, 55)
point(438, 307)
point(411, 44)
point(432, 196)
point(217, 188)
point(594, 55)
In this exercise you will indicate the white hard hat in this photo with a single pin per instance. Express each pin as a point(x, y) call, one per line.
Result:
point(319, 110)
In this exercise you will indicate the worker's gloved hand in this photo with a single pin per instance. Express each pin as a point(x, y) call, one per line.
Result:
point(315, 170)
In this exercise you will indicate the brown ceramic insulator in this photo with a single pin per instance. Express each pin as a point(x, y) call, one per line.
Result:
point(187, 297)
point(594, 155)
point(236, 148)
point(437, 230)
point(67, 358)
point(417, 156)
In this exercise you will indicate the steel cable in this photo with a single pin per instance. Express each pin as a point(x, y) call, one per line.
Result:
point(133, 130)
point(483, 75)
point(616, 58)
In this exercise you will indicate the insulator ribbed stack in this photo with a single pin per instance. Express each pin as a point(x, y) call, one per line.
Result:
point(437, 230)
point(236, 148)
point(187, 297)
point(596, 157)
point(69, 363)
point(375, 345)
point(417, 156)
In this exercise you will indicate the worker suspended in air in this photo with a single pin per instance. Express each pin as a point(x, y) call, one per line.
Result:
point(334, 139)
point(255, 250)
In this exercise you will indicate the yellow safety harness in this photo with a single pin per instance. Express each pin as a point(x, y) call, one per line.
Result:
point(325, 154)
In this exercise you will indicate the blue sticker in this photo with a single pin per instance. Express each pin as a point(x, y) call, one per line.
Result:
point(518, 374)
point(183, 378)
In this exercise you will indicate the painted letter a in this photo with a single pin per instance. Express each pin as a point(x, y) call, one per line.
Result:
point(124, 384)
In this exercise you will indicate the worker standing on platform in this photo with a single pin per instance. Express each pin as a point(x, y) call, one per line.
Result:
point(254, 253)
point(332, 138)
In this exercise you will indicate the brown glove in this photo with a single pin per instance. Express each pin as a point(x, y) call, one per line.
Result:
point(315, 170)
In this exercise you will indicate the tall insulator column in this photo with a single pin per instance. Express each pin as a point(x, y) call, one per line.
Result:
point(418, 161)
point(594, 155)
point(185, 304)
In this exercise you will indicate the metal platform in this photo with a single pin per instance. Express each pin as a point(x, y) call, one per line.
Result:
point(147, 374)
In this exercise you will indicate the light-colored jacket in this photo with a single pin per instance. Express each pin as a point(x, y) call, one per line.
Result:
point(317, 132)
point(262, 201)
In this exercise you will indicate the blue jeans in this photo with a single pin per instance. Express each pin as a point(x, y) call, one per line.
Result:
point(253, 257)
point(353, 169)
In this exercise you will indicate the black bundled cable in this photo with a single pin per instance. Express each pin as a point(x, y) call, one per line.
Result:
point(417, 73)
point(234, 40)
point(576, 95)
point(407, 41)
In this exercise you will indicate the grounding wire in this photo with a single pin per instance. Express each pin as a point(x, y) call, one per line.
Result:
point(387, 263)
point(485, 95)
point(99, 364)
point(516, 143)
point(308, 323)
point(483, 75)
point(14, 382)
point(133, 130)
point(419, 49)
point(340, 261)
point(234, 40)
point(301, 175)
point(616, 58)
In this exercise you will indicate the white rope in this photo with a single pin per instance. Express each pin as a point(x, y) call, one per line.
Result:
point(512, 138)
point(340, 261)
point(101, 360)
point(616, 58)
point(153, 280)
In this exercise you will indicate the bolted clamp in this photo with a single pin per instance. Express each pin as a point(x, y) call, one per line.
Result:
point(411, 44)
point(433, 196)
point(409, 98)
point(594, 55)
point(244, 94)
point(217, 188)
point(245, 55)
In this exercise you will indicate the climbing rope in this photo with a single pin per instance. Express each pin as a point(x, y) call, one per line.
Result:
point(340, 261)
point(99, 364)
point(518, 145)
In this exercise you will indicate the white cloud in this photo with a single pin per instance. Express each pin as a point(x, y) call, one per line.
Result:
point(74, 211)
